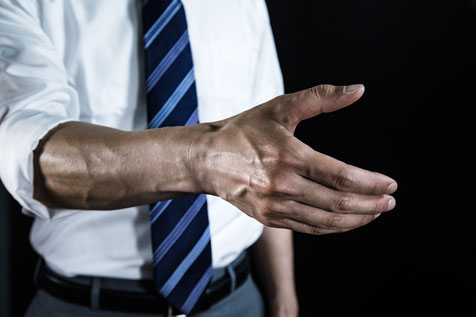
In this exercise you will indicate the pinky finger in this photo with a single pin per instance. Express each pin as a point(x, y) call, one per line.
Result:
point(305, 228)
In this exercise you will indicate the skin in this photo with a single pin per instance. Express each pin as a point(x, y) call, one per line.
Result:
point(251, 160)
point(273, 257)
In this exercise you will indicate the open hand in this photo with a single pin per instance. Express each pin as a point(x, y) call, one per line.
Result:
point(253, 161)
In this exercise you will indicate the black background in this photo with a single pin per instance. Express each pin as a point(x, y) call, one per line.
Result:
point(416, 260)
point(412, 56)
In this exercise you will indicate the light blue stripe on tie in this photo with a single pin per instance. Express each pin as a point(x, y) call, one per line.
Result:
point(171, 56)
point(161, 22)
point(197, 290)
point(186, 263)
point(173, 100)
point(193, 119)
point(159, 207)
point(179, 228)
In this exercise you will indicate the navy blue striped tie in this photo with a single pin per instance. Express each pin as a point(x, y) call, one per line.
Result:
point(180, 230)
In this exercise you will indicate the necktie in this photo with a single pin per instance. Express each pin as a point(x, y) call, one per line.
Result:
point(180, 230)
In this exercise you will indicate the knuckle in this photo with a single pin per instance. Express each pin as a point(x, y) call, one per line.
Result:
point(326, 90)
point(316, 231)
point(342, 179)
point(265, 208)
point(285, 162)
point(283, 188)
point(275, 178)
point(266, 183)
point(333, 221)
point(341, 203)
point(267, 188)
point(277, 157)
point(275, 223)
point(316, 93)
point(320, 92)
point(270, 210)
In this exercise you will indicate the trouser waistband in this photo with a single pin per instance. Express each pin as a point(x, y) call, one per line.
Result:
point(136, 295)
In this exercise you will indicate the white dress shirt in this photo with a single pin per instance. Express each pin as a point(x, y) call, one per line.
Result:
point(81, 60)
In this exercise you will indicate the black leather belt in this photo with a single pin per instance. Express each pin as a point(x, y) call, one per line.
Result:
point(138, 295)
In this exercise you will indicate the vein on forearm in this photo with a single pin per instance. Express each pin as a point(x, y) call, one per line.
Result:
point(85, 166)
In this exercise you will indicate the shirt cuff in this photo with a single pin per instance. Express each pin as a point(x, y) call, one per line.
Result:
point(20, 133)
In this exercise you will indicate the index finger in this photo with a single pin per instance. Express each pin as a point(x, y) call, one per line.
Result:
point(336, 174)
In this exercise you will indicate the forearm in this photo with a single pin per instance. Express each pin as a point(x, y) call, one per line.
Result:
point(251, 160)
point(85, 166)
point(273, 259)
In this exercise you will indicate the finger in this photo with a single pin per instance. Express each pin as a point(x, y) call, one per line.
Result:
point(323, 219)
point(317, 195)
point(305, 228)
point(321, 99)
point(338, 175)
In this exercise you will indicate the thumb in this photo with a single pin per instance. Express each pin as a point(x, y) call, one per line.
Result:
point(321, 99)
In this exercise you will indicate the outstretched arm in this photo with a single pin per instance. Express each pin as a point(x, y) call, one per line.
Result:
point(251, 160)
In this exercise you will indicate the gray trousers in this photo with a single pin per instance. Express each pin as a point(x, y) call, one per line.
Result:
point(244, 301)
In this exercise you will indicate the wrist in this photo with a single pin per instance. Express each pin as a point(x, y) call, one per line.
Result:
point(200, 158)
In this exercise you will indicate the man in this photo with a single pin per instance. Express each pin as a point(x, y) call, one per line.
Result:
point(80, 83)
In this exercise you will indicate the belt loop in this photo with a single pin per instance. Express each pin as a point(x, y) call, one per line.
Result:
point(231, 273)
point(95, 290)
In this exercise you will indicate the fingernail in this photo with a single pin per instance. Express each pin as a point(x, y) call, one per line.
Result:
point(391, 204)
point(348, 90)
point(391, 188)
point(376, 216)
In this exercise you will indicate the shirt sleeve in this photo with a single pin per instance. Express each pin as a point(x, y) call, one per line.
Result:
point(35, 97)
